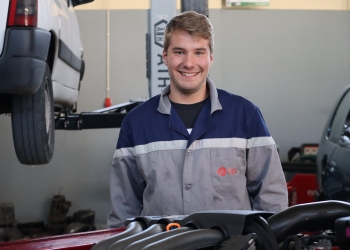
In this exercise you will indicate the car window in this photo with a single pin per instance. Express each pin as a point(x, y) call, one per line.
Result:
point(339, 129)
point(345, 136)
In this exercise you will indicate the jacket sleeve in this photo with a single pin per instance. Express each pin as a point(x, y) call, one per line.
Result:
point(126, 183)
point(266, 182)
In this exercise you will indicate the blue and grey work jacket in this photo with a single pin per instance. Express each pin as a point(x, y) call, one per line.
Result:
point(228, 161)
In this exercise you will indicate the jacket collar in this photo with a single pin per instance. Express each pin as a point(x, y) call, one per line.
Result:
point(165, 105)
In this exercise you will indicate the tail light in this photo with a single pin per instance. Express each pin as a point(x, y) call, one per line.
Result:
point(23, 13)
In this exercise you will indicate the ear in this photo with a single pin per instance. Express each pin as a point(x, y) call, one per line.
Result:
point(165, 57)
point(211, 58)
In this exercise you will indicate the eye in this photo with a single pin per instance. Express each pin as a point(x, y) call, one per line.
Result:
point(179, 52)
point(199, 53)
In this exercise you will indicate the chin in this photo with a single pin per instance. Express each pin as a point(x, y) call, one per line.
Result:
point(190, 90)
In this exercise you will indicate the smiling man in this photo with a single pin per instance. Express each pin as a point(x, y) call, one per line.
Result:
point(188, 59)
point(194, 147)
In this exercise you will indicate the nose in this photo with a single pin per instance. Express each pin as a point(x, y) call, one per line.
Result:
point(189, 61)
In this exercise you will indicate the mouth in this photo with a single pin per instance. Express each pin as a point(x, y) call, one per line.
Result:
point(189, 74)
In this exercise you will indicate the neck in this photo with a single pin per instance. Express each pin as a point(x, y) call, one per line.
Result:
point(188, 98)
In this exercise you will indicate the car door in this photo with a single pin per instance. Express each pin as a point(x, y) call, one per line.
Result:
point(335, 161)
point(70, 78)
point(64, 20)
point(75, 44)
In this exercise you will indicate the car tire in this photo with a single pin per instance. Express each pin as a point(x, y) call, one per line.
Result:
point(33, 124)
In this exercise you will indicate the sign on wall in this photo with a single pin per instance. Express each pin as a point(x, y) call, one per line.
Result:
point(231, 3)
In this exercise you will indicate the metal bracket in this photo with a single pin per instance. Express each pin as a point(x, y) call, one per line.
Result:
point(111, 117)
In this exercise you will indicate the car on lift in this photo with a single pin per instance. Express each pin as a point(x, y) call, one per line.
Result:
point(333, 158)
point(41, 66)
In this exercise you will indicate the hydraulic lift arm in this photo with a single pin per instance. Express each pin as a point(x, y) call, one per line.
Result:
point(111, 117)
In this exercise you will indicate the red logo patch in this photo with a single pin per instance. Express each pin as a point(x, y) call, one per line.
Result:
point(222, 171)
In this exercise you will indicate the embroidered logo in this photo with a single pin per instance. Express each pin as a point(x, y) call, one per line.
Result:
point(222, 171)
point(232, 171)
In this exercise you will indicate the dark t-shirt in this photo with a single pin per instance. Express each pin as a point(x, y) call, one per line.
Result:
point(189, 112)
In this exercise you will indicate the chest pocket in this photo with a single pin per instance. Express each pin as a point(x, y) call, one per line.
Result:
point(228, 167)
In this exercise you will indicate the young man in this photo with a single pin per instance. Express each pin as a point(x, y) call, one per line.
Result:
point(194, 147)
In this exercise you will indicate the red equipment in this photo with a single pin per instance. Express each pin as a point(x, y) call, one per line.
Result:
point(301, 189)
point(79, 241)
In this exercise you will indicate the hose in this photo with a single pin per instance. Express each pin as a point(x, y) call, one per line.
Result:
point(271, 236)
point(289, 239)
point(133, 228)
point(154, 238)
point(266, 239)
point(307, 217)
point(189, 240)
point(123, 243)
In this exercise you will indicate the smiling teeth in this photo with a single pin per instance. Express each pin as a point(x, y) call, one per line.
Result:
point(188, 74)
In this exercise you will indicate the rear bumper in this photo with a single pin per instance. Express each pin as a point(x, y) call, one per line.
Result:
point(23, 60)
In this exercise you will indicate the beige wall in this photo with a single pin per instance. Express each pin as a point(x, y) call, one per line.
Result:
point(217, 4)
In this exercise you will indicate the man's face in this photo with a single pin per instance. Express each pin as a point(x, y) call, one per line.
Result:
point(188, 59)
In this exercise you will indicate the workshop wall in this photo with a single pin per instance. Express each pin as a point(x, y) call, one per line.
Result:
point(292, 63)
point(218, 4)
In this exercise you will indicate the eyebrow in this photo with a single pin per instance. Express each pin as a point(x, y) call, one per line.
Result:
point(179, 48)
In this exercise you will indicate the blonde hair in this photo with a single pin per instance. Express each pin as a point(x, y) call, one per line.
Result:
point(193, 23)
